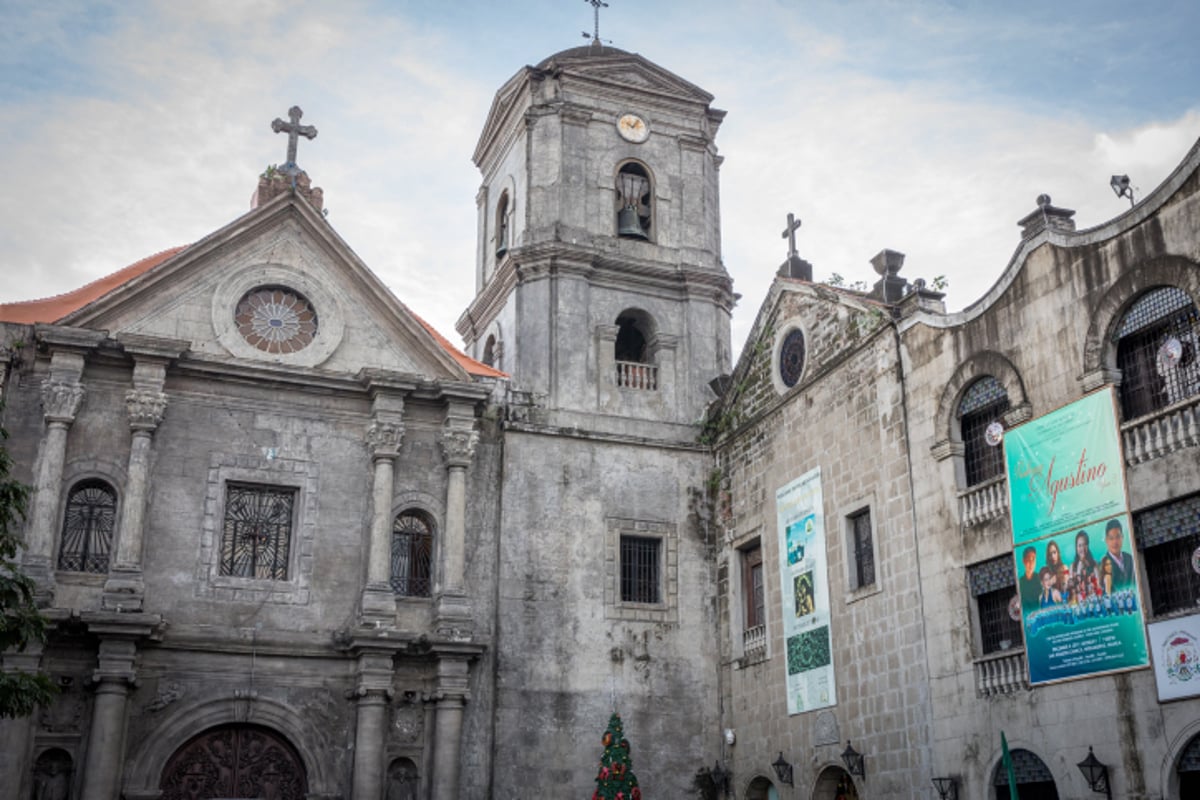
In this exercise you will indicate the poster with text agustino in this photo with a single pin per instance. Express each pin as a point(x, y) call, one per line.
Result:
point(1078, 593)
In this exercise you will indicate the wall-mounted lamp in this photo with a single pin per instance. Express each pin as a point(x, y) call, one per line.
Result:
point(947, 788)
point(854, 761)
point(730, 737)
point(783, 770)
point(1121, 188)
point(1095, 773)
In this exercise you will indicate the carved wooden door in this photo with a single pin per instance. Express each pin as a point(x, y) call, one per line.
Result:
point(235, 761)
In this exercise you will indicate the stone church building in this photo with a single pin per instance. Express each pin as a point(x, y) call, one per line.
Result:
point(293, 543)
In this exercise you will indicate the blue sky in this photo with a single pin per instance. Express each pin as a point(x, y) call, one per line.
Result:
point(926, 127)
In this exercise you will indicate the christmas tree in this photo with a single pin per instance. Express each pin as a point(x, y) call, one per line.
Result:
point(616, 780)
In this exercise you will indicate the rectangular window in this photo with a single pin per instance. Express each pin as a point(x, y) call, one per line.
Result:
point(752, 587)
point(640, 570)
point(863, 546)
point(993, 587)
point(1167, 535)
point(257, 531)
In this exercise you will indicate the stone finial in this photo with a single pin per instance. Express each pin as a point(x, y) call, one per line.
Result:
point(145, 408)
point(890, 288)
point(458, 443)
point(384, 438)
point(275, 181)
point(61, 400)
point(1047, 216)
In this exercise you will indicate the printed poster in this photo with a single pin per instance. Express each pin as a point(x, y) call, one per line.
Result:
point(1077, 582)
point(1175, 648)
point(1064, 468)
point(1079, 602)
point(805, 584)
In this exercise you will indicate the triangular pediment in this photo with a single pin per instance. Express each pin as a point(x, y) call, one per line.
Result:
point(333, 313)
point(630, 70)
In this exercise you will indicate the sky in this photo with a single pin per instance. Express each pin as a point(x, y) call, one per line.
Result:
point(924, 126)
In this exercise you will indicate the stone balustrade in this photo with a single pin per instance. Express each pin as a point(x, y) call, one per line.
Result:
point(754, 644)
point(983, 502)
point(1001, 673)
point(635, 375)
point(1165, 431)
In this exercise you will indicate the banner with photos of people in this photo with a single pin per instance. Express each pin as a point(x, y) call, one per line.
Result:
point(802, 565)
point(1077, 582)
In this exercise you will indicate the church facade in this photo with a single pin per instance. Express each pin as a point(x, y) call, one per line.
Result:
point(293, 543)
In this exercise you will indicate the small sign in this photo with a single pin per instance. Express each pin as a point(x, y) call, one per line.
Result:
point(1014, 608)
point(1171, 352)
point(994, 434)
point(1196, 560)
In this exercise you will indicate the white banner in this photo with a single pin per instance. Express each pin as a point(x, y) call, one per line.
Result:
point(805, 583)
point(1175, 651)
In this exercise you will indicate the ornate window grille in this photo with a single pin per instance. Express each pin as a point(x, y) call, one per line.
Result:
point(993, 588)
point(752, 587)
point(412, 554)
point(88, 525)
point(257, 531)
point(864, 551)
point(1157, 344)
point(1168, 535)
point(640, 570)
point(982, 403)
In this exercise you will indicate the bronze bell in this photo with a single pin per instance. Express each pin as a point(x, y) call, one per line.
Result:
point(628, 223)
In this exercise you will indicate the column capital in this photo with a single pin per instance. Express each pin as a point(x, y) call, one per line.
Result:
point(459, 439)
point(384, 438)
point(146, 408)
point(61, 400)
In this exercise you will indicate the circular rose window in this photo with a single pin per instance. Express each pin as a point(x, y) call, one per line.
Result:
point(276, 320)
point(791, 358)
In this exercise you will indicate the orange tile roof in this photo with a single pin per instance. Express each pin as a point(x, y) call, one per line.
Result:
point(52, 309)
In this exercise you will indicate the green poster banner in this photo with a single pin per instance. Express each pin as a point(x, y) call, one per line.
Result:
point(1064, 468)
point(1080, 605)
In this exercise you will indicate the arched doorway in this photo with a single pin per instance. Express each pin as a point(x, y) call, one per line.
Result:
point(1188, 769)
point(235, 761)
point(834, 783)
point(1034, 781)
point(761, 789)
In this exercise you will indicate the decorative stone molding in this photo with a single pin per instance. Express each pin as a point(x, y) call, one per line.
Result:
point(458, 442)
point(384, 438)
point(145, 408)
point(61, 400)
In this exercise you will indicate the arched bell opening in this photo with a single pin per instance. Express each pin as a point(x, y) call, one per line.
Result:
point(634, 201)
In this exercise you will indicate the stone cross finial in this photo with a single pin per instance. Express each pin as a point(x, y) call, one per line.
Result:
point(597, 5)
point(789, 233)
point(294, 130)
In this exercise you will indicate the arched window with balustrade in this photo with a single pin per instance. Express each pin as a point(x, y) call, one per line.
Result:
point(633, 351)
point(1157, 341)
point(982, 404)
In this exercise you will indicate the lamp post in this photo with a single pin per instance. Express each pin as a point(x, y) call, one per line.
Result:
point(783, 770)
point(947, 788)
point(1121, 188)
point(854, 761)
point(1095, 773)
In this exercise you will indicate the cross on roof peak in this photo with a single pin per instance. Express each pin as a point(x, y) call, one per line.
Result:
point(596, 5)
point(789, 233)
point(294, 130)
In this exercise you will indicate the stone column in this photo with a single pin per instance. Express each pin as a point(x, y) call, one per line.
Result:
point(378, 601)
point(451, 696)
point(62, 396)
point(373, 693)
point(145, 403)
point(459, 439)
point(16, 734)
point(106, 739)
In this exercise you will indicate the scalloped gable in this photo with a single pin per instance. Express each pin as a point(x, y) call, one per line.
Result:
point(172, 294)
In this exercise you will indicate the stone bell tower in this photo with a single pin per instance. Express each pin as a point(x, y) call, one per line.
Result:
point(599, 282)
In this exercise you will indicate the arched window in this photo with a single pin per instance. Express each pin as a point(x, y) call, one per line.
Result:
point(412, 554)
point(1034, 779)
point(88, 525)
point(502, 232)
point(982, 403)
point(1157, 351)
point(635, 362)
point(489, 351)
point(633, 201)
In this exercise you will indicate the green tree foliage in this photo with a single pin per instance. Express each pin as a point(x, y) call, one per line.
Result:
point(20, 622)
point(615, 780)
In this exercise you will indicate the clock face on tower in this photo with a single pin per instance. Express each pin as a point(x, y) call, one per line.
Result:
point(633, 128)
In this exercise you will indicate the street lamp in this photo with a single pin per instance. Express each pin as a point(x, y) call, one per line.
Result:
point(1120, 186)
point(947, 788)
point(1095, 773)
point(783, 770)
point(854, 761)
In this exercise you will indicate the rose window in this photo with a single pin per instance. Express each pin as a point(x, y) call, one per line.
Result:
point(276, 320)
point(791, 358)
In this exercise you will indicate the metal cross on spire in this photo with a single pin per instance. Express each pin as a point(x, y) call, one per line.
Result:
point(789, 233)
point(597, 5)
point(294, 130)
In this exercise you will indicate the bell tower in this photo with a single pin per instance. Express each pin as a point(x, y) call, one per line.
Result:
point(599, 282)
